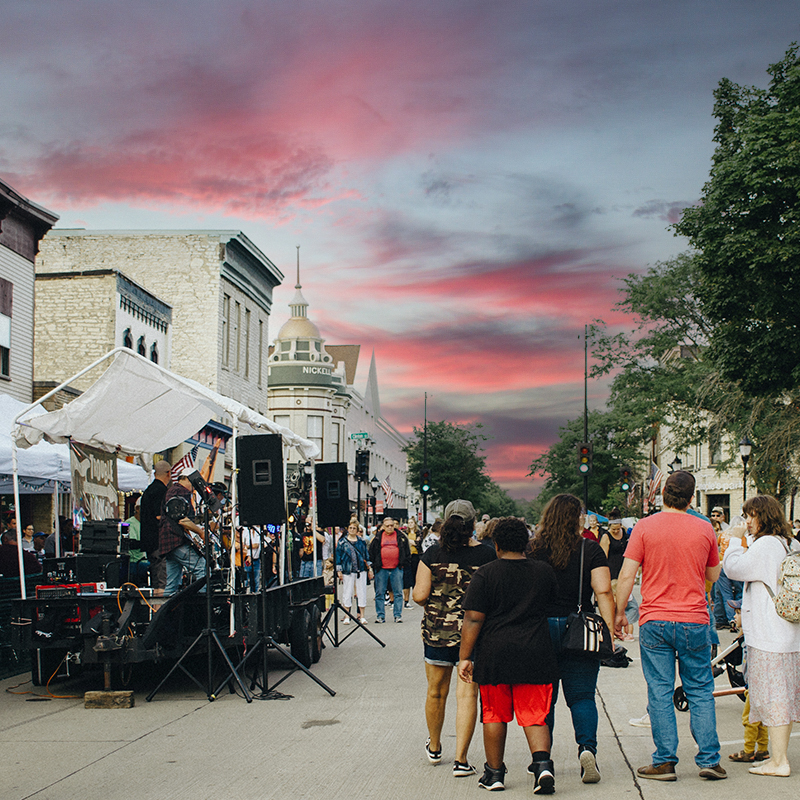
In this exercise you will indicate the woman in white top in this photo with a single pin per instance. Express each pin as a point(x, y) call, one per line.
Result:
point(773, 644)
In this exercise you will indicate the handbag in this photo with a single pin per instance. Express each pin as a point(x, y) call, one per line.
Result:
point(587, 633)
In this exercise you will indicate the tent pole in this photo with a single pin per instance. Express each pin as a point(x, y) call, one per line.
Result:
point(56, 502)
point(22, 593)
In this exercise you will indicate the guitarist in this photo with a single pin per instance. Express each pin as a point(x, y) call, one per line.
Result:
point(176, 548)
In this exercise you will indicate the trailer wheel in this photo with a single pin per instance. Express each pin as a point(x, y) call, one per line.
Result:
point(679, 699)
point(300, 637)
point(316, 633)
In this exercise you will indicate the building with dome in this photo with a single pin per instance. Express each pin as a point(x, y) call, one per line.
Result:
point(311, 390)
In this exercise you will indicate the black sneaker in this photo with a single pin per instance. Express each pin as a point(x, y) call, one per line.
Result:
point(492, 779)
point(589, 771)
point(406, 604)
point(434, 756)
point(461, 769)
point(544, 776)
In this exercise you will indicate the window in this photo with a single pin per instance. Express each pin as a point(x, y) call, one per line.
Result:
point(260, 348)
point(247, 343)
point(6, 298)
point(154, 353)
point(141, 347)
point(226, 329)
point(237, 339)
point(283, 419)
point(714, 446)
point(335, 437)
point(314, 431)
point(127, 339)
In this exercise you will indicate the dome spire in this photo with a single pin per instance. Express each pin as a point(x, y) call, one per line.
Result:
point(297, 285)
point(298, 306)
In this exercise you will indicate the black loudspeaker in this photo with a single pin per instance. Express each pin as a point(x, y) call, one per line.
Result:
point(333, 503)
point(259, 480)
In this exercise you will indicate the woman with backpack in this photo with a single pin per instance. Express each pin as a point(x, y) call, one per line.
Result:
point(773, 643)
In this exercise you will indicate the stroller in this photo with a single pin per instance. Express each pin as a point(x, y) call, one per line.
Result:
point(726, 661)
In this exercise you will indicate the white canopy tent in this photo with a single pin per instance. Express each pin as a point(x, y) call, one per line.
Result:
point(138, 408)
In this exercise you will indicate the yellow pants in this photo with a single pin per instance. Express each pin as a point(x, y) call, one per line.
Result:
point(756, 736)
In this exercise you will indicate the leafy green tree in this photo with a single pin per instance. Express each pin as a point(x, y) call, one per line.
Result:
point(496, 502)
point(666, 372)
point(458, 467)
point(613, 448)
point(746, 231)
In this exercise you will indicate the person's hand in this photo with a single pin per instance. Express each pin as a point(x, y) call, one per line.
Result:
point(620, 623)
point(465, 670)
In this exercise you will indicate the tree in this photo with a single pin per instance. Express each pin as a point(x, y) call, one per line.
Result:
point(666, 372)
point(746, 232)
point(613, 447)
point(458, 469)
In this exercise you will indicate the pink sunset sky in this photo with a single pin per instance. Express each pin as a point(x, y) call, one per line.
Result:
point(468, 180)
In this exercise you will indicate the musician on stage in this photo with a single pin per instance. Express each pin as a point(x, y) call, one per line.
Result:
point(174, 544)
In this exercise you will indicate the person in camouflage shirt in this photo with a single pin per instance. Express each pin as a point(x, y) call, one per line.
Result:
point(443, 575)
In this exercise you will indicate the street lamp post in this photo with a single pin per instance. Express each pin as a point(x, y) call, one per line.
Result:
point(374, 483)
point(675, 465)
point(745, 448)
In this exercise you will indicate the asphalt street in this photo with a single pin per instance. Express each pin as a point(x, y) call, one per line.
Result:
point(364, 742)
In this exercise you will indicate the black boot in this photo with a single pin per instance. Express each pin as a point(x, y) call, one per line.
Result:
point(493, 779)
point(544, 774)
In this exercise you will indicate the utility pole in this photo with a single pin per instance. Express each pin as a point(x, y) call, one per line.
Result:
point(586, 408)
point(425, 461)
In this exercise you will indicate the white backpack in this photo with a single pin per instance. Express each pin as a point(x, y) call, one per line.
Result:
point(787, 600)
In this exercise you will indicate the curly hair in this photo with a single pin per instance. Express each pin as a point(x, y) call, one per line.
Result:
point(769, 515)
point(558, 534)
point(456, 532)
point(510, 534)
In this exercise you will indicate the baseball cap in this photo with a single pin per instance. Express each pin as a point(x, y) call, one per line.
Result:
point(718, 510)
point(460, 508)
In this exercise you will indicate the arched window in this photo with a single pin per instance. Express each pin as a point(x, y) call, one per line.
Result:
point(141, 347)
point(127, 339)
point(154, 353)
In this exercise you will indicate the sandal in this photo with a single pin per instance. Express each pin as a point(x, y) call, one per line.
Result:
point(743, 755)
point(761, 755)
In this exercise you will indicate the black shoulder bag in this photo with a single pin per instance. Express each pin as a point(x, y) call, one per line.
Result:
point(587, 633)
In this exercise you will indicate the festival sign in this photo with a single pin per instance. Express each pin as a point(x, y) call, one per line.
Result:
point(94, 483)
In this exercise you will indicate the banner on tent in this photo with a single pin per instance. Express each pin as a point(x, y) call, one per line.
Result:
point(94, 482)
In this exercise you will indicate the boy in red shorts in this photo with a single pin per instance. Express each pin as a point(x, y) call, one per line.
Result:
point(506, 649)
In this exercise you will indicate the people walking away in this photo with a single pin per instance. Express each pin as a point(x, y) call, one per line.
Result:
point(506, 649)
point(558, 542)
point(614, 540)
point(773, 643)
point(724, 589)
point(388, 552)
point(677, 553)
point(443, 575)
point(353, 569)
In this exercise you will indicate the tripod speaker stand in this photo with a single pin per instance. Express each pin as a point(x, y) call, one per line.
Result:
point(207, 635)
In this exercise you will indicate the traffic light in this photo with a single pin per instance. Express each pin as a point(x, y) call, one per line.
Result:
point(626, 479)
point(362, 465)
point(584, 458)
point(425, 480)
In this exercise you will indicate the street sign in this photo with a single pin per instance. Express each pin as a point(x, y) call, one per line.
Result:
point(363, 435)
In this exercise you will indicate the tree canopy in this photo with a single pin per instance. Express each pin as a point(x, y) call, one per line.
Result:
point(458, 467)
point(746, 233)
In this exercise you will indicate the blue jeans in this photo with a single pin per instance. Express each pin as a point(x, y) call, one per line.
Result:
point(252, 575)
point(383, 578)
point(578, 681)
point(660, 642)
point(183, 557)
point(725, 589)
point(307, 568)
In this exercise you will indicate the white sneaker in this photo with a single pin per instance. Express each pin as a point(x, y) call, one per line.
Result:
point(345, 620)
point(641, 722)
point(362, 620)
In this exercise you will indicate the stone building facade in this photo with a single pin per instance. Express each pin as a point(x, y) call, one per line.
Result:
point(217, 283)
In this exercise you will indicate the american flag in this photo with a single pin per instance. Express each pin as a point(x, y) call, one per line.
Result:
point(186, 461)
point(387, 490)
point(632, 494)
point(655, 482)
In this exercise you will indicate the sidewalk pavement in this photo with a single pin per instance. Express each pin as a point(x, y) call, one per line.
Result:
point(366, 742)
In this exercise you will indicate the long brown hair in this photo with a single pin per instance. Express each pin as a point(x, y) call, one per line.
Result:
point(558, 536)
point(767, 510)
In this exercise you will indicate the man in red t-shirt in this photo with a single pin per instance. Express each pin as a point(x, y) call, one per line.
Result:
point(677, 553)
point(389, 551)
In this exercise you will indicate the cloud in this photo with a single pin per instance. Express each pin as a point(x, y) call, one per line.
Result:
point(662, 209)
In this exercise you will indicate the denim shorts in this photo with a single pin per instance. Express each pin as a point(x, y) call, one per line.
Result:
point(441, 656)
